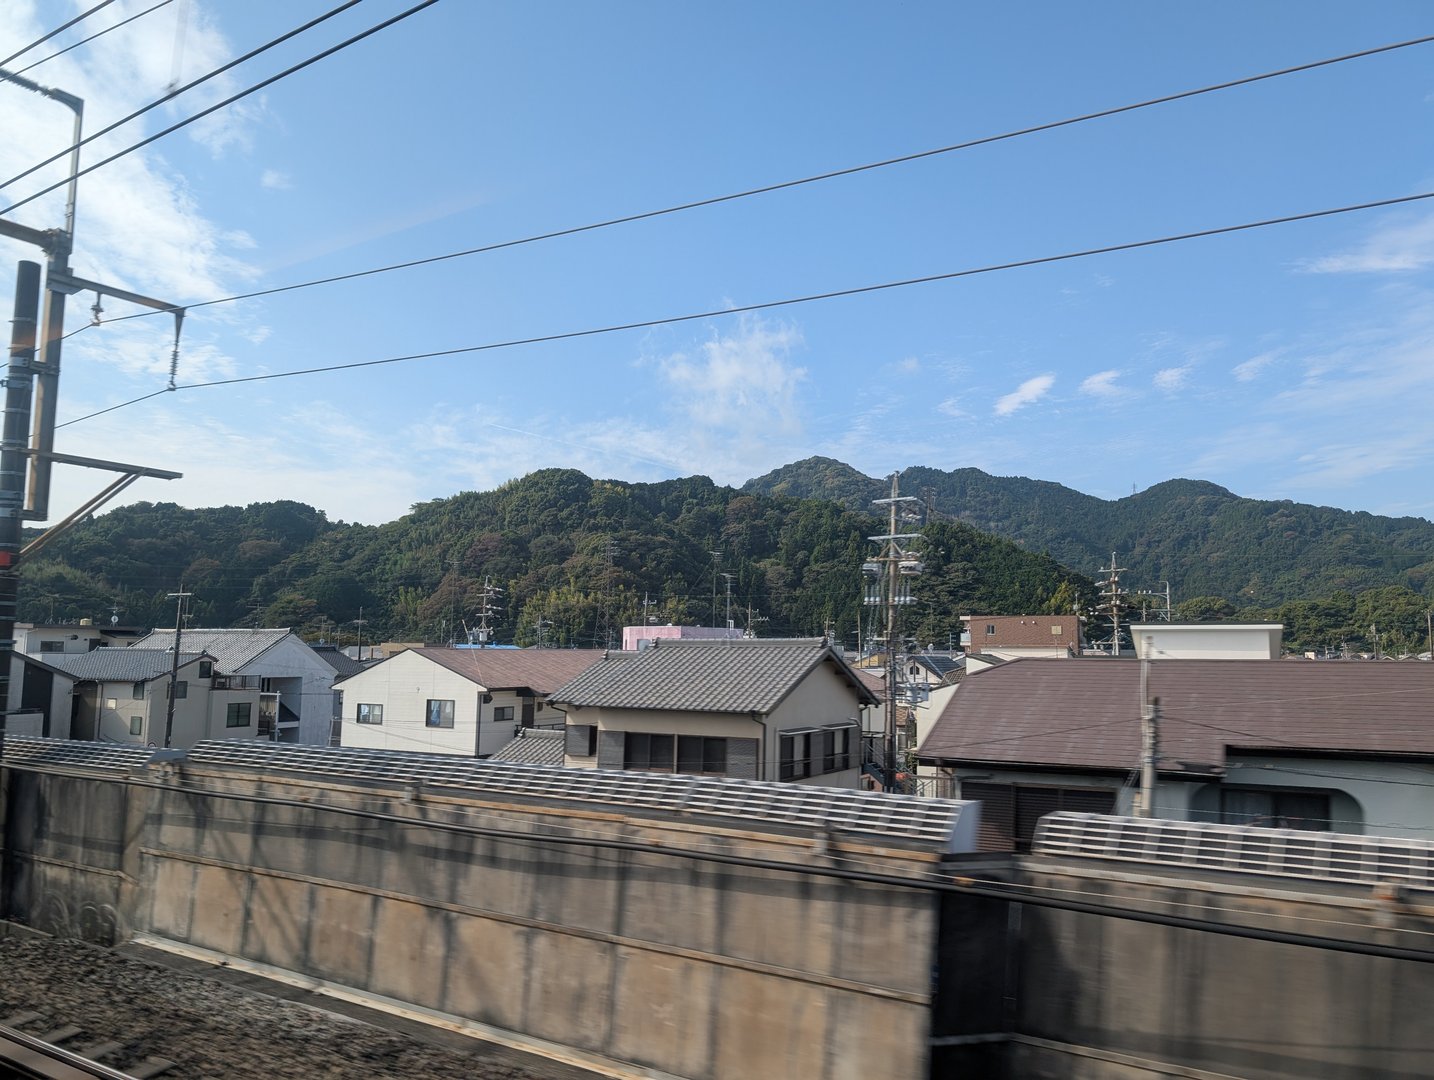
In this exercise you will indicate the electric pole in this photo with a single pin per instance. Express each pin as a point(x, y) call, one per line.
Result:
point(1149, 734)
point(716, 562)
point(1113, 594)
point(487, 609)
point(12, 466)
point(360, 622)
point(179, 598)
point(888, 584)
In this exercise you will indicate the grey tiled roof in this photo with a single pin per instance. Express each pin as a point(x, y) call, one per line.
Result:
point(119, 665)
point(533, 746)
point(1086, 713)
point(343, 664)
point(233, 649)
point(735, 676)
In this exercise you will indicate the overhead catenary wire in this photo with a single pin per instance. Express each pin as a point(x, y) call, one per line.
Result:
point(170, 95)
point(81, 17)
point(783, 185)
point(293, 69)
point(86, 41)
point(769, 305)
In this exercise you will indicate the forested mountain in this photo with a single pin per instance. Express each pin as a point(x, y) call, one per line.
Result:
point(1203, 539)
point(582, 557)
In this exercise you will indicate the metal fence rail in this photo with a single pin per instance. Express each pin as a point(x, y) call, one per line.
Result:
point(1242, 849)
point(752, 801)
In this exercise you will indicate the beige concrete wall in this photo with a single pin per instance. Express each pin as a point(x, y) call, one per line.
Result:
point(694, 969)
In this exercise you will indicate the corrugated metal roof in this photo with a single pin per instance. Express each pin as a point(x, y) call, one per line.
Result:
point(706, 676)
point(120, 665)
point(533, 746)
point(233, 649)
point(541, 670)
point(1086, 713)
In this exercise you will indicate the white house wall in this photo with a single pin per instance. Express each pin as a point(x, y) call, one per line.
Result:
point(403, 685)
point(290, 659)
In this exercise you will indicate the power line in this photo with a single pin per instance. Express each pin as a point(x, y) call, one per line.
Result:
point(181, 90)
point(771, 304)
point(227, 101)
point(86, 41)
point(785, 184)
point(58, 30)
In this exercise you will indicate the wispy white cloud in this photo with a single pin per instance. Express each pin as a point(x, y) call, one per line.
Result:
point(952, 407)
point(1102, 385)
point(1029, 392)
point(738, 384)
point(1400, 246)
point(274, 180)
point(1172, 379)
point(1250, 369)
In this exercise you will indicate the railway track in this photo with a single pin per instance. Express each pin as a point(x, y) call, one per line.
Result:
point(47, 1052)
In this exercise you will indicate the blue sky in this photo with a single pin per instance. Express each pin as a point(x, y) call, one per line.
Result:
point(1291, 362)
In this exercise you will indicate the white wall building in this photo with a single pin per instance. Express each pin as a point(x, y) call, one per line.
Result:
point(1207, 641)
point(456, 701)
point(297, 683)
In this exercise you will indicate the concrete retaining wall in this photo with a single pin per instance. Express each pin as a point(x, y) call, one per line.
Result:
point(643, 956)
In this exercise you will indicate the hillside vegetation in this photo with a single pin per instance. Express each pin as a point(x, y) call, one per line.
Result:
point(1203, 539)
point(582, 557)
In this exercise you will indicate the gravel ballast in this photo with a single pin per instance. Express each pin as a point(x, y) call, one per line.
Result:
point(210, 1029)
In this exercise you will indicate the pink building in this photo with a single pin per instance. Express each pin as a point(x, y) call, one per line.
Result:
point(636, 637)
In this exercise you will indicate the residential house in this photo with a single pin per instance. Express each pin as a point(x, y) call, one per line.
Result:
point(42, 639)
point(344, 666)
point(122, 696)
point(39, 698)
point(639, 637)
point(755, 709)
point(1035, 636)
point(1345, 747)
point(456, 701)
point(296, 685)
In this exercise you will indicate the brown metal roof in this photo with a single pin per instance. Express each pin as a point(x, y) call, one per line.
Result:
point(1086, 713)
point(540, 670)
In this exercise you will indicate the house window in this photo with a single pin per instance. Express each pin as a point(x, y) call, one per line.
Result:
point(1009, 812)
point(136, 692)
point(700, 754)
point(581, 740)
point(814, 751)
point(181, 689)
point(52, 646)
point(237, 714)
point(206, 669)
point(503, 714)
point(111, 703)
point(836, 749)
point(136, 725)
point(1056, 630)
point(795, 761)
point(369, 714)
point(990, 629)
point(440, 713)
point(654, 753)
point(1275, 808)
